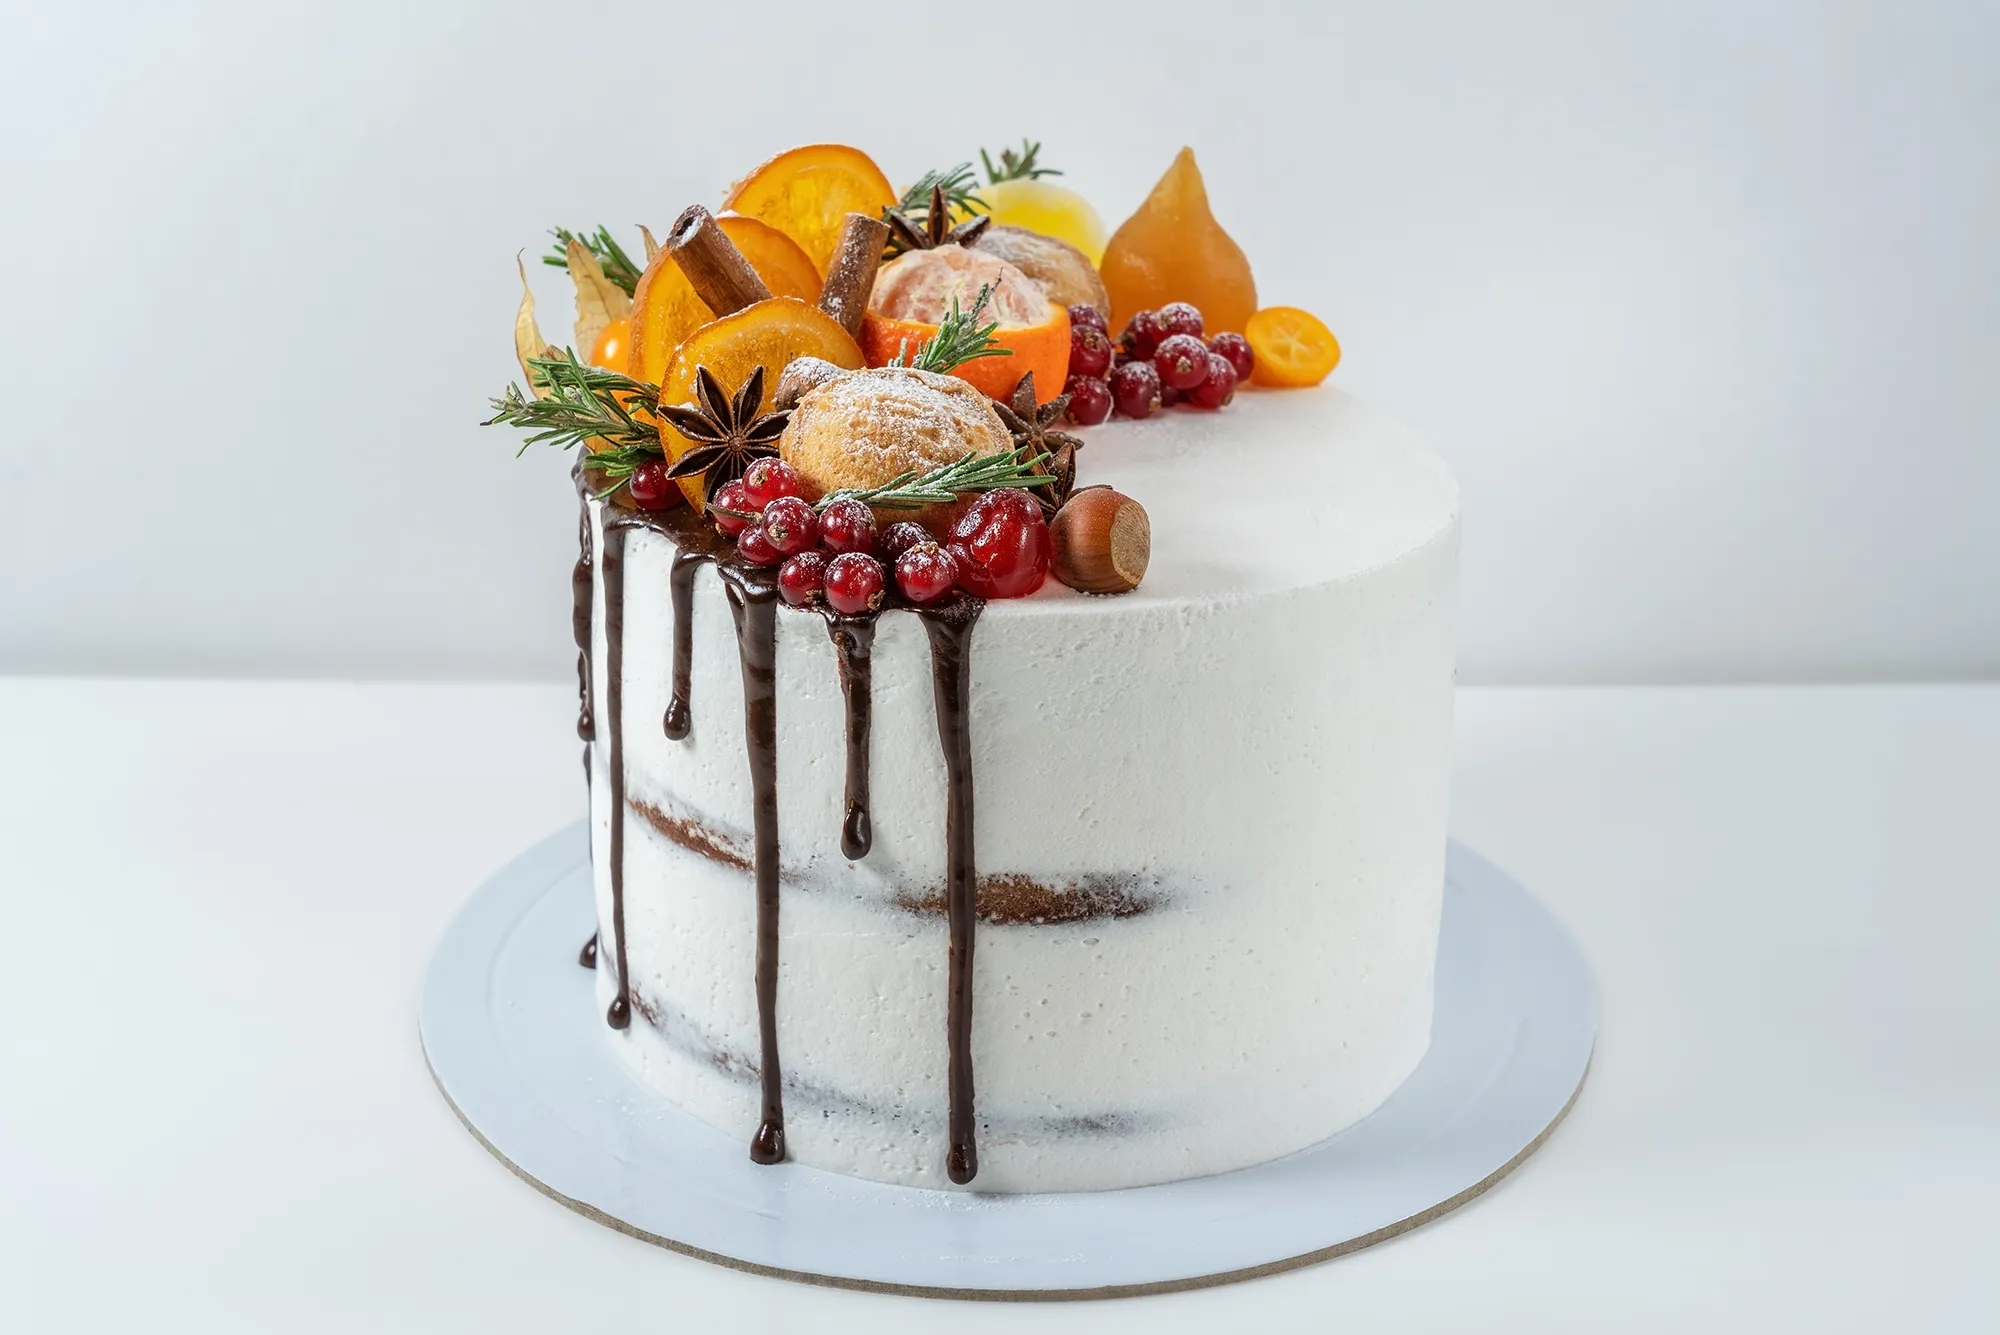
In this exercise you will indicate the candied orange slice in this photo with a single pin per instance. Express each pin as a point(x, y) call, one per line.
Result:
point(807, 192)
point(1172, 249)
point(665, 309)
point(1293, 348)
point(769, 334)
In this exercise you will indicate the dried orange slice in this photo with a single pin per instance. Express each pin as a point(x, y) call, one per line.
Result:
point(1293, 348)
point(807, 192)
point(665, 309)
point(769, 334)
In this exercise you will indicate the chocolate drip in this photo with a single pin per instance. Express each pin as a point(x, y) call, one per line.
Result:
point(587, 957)
point(753, 603)
point(854, 640)
point(613, 563)
point(950, 631)
point(686, 564)
point(579, 624)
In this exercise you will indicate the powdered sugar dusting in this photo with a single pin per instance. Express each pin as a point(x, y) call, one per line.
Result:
point(866, 427)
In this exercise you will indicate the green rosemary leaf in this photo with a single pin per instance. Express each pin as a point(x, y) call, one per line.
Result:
point(960, 339)
point(584, 403)
point(1016, 166)
point(611, 257)
point(960, 185)
point(941, 486)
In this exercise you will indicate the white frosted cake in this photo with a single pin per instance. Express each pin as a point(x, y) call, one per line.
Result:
point(1044, 840)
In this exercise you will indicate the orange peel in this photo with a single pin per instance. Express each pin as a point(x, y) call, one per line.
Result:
point(665, 309)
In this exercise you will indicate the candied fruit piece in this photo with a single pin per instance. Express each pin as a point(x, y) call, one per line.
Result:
point(807, 193)
point(1173, 250)
point(1292, 347)
point(665, 309)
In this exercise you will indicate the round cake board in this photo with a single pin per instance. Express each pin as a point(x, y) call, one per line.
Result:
point(517, 1043)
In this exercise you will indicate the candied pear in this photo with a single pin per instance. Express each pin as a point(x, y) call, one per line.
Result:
point(1172, 249)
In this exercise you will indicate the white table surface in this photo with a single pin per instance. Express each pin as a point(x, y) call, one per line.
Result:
point(214, 1114)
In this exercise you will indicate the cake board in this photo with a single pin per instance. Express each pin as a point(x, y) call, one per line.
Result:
point(516, 1042)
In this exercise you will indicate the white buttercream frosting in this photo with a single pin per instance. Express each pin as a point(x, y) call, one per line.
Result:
point(1246, 759)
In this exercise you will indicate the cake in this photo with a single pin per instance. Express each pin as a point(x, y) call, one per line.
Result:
point(957, 819)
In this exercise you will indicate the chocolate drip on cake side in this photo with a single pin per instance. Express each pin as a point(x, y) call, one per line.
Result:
point(854, 642)
point(579, 626)
point(612, 562)
point(950, 630)
point(687, 563)
point(753, 602)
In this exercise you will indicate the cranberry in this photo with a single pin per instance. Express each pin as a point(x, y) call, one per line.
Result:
point(791, 526)
point(1218, 387)
point(926, 572)
point(1177, 317)
point(754, 546)
point(899, 538)
point(1171, 397)
point(1143, 333)
point(848, 526)
point(768, 479)
point(1089, 351)
point(730, 496)
point(1088, 317)
point(1089, 399)
point(1182, 361)
point(1002, 545)
point(801, 578)
point(1236, 350)
point(650, 486)
point(854, 583)
point(1135, 389)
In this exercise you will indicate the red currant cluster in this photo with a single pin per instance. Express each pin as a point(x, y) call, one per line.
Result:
point(998, 548)
point(1159, 361)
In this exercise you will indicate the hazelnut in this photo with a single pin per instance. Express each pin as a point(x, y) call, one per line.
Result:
point(1103, 541)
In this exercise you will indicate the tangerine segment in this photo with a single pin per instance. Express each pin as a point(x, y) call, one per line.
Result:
point(769, 334)
point(1172, 249)
point(1293, 347)
point(665, 309)
point(807, 192)
point(1042, 348)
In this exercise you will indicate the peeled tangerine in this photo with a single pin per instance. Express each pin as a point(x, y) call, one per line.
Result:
point(1172, 249)
point(665, 309)
point(768, 334)
point(914, 291)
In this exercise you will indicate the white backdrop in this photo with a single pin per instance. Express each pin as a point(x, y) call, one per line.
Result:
point(1701, 301)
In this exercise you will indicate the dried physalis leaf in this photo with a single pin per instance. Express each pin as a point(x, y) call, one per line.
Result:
point(528, 341)
point(599, 301)
point(652, 246)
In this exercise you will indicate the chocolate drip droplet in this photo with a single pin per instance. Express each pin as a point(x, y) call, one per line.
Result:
point(587, 957)
point(613, 563)
point(579, 624)
point(854, 641)
point(686, 563)
point(753, 604)
point(950, 630)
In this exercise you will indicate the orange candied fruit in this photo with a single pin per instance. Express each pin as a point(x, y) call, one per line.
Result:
point(1173, 249)
point(609, 351)
point(807, 193)
point(1294, 348)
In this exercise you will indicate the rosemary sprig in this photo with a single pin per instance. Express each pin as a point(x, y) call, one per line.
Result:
point(940, 486)
point(960, 185)
point(960, 339)
point(1016, 166)
point(611, 256)
point(584, 403)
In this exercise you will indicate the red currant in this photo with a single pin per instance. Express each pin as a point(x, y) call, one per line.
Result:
point(754, 546)
point(768, 479)
point(1088, 317)
point(650, 486)
point(1177, 317)
point(899, 538)
point(854, 583)
point(1143, 333)
point(926, 572)
point(1218, 387)
point(1135, 389)
point(729, 496)
point(791, 526)
point(801, 579)
point(1236, 349)
point(1089, 399)
point(1002, 545)
point(1182, 361)
point(1171, 397)
point(1089, 351)
point(848, 526)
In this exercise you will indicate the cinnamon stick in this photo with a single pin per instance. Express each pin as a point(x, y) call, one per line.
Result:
point(850, 275)
point(715, 268)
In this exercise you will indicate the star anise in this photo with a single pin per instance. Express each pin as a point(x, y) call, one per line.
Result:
point(937, 229)
point(1030, 426)
point(728, 437)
